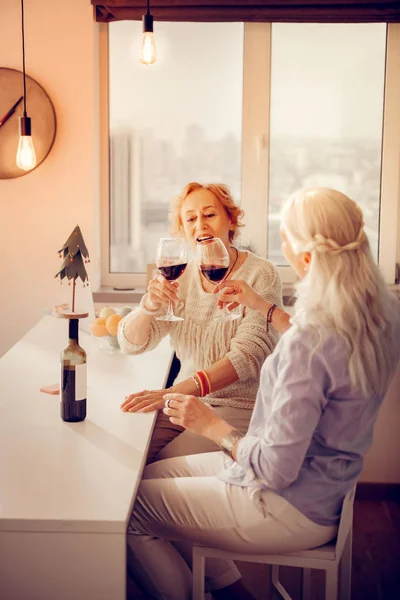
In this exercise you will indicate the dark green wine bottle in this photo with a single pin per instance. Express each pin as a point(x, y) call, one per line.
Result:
point(73, 386)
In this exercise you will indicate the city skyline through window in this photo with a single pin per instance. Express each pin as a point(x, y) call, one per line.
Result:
point(327, 92)
point(177, 121)
point(180, 120)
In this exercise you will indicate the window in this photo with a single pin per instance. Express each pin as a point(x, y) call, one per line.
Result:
point(257, 107)
point(326, 116)
point(177, 121)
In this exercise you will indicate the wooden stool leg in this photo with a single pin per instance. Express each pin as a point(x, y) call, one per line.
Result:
point(331, 584)
point(198, 575)
point(345, 569)
point(276, 585)
point(306, 585)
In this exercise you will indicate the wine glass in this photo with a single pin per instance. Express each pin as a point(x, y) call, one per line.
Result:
point(171, 261)
point(213, 260)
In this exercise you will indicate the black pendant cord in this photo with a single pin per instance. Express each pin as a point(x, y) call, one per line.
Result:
point(147, 20)
point(232, 267)
point(23, 54)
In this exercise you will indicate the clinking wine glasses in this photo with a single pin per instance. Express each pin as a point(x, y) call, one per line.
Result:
point(213, 260)
point(171, 261)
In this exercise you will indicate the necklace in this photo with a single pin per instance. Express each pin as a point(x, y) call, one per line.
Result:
point(235, 261)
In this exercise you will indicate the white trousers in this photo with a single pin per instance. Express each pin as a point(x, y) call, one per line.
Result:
point(169, 440)
point(180, 501)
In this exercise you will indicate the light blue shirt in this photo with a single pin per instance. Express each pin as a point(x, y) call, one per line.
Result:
point(310, 428)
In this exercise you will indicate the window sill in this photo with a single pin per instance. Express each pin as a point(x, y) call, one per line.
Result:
point(110, 295)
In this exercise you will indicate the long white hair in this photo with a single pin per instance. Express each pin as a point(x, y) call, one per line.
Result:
point(343, 289)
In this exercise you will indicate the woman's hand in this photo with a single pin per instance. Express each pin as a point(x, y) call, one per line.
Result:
point(160, 292)
point(192, 414)
point(145, 401)
point(235, 292)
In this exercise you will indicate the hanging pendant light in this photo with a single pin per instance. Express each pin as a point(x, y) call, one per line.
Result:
point(148, 52)
point(26, 157)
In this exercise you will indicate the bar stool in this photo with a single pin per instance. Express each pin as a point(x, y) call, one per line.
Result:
point(333, 558)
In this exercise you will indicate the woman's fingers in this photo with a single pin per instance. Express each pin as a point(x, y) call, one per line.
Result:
point(133, 406)
point(162, 297)
point(229, 283)
point(237, 292)
point(161, 290)
point(135, 402)
point(174, 409)
point(231, 305)
point(188, 412)
point(145, 401)
point(148, 405)
point(166, 285)
point(174, 398)
point(230, 297)
point(176, 404)
point(132, 398)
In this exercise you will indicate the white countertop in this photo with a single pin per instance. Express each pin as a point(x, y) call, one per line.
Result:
point(57, 476)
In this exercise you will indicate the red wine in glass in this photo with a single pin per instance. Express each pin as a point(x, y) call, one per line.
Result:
point(171, 261)
point(214, 273)
point(172, 272)
point(213, 260)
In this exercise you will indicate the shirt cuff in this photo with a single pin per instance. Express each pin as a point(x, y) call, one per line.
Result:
point(244, 449)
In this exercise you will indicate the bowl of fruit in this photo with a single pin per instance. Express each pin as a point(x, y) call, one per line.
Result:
point(105, 327)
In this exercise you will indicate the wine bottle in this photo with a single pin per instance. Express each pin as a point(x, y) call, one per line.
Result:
point(73, 378)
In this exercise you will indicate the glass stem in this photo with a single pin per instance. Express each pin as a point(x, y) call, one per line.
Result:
point(170, 312)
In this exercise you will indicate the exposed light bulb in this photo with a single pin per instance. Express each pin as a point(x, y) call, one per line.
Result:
point(26, 157)
point(148, 52)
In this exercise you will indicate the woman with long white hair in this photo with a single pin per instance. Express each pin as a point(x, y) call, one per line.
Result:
point(280, 487)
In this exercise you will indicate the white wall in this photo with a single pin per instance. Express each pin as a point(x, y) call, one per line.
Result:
point(39, 210)
point(382, 463)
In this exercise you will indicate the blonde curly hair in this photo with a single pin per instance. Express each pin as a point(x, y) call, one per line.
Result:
point(220, 191)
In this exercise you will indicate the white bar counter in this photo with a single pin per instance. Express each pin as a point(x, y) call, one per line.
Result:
point(67, 489)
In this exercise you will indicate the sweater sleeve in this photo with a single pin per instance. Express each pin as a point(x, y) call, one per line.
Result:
point(252, 343)
point(158, 330)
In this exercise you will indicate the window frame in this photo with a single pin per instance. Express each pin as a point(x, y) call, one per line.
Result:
point(255, 155)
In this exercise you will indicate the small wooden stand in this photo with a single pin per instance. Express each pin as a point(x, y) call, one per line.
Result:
point(66, 314)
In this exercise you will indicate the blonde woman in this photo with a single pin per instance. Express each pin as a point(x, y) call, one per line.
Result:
point(281, 487)
point(219, 361)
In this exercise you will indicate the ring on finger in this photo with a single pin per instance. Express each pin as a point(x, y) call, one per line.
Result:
point(167, 403)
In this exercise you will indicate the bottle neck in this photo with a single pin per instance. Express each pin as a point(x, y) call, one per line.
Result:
point(73, 330)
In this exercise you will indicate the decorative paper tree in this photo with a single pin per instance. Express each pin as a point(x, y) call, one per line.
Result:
point(73, 264)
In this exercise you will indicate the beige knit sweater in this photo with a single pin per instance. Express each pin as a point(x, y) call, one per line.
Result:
point(199, 341)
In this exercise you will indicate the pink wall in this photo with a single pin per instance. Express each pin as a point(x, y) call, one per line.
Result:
point(39, 210)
